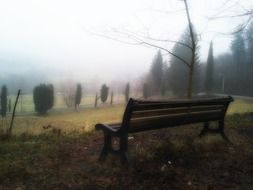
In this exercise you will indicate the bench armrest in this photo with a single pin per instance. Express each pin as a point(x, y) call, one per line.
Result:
point(106, 128)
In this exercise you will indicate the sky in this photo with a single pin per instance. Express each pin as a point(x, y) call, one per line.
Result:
point(62, 38)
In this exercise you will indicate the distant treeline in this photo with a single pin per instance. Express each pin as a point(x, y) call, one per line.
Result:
point(229, 73)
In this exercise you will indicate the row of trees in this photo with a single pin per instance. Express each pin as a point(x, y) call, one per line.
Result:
point(43, 97)
point(233, 70)
point(229, 73)
point(104, 93)
point(173, 77)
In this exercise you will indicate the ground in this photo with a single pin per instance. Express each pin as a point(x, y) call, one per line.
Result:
point(174, 158)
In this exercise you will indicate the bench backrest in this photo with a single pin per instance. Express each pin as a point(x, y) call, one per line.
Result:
point(143, 115)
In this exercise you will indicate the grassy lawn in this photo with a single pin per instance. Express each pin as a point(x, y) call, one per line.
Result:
point(240, 106)
point(25, 103)
point(38, 158)
point(85, 119)
point(74, 121)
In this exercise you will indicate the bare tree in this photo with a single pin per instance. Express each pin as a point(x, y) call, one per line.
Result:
point(227, 12)
point(133, 38)
point(68, 92)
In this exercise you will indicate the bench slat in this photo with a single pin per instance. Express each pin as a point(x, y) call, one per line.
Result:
point(156, 122)
point(165, 111)
point(142, 115)
point(150, 106)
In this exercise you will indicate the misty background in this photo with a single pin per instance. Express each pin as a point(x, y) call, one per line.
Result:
point(58, 41)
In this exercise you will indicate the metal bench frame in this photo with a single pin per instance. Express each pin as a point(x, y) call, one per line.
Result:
point(143, 115)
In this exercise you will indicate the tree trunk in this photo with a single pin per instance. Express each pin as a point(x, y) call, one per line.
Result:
point(191, 72)
point(13, 114)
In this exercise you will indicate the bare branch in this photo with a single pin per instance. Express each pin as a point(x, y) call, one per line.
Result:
point(168, 12)
point(170, 41)
point(223, 9)
point(166, 50)
point(239, 29)
point(248, 13)
point(118, 40)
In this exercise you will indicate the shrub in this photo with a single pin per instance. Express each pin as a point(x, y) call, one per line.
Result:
point(4, 101)
point(43, 97)
point(104, 93)
point(127, 92)
point(78, 95)
point(145, 91)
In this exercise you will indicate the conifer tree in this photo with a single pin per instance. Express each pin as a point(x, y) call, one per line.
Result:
point(157, 72)
point(78, 96)
point(127, 90)
point(209, 71)
point(43, 97)
point(104, 93)
point(4, 101)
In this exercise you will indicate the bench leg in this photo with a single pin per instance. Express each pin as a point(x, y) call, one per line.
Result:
point(123, 149)
point(221, 130)
point(204, 130)
point(106, 148)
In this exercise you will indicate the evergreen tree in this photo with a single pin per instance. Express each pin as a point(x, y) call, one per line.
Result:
point(249, 60)
point(127, 92)
point(9, 105)
point(78, 96)
point(239, 63)
point(239, 52)
point(104, 93)
point(249, 37)
point(179, 72)
point(4, 101)
point(209, 80)
point(111, 97)
point(157, 72)
point(145, 91)
point(43, 97)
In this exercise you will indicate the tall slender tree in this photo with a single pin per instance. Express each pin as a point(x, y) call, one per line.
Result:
point(78, 96)
point(156, 72)
point(127, 90)
point(181, 74)
point(239, 53)
point(209, 80)
point(145, 91)
point(249, 43)
point(4, 101)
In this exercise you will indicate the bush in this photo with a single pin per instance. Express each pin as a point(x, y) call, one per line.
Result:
point(104, 93)
point(145, 91)
point(127, 92)
point(4, 101)
point(78, 96)
point(43, 97)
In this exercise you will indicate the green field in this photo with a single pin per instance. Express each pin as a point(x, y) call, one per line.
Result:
point(68, 120)
point(38, 158)
point(25, 103)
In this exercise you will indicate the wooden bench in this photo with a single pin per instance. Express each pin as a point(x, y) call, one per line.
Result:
point(143, 115)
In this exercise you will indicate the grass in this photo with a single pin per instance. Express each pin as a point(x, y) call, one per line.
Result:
point(25, 103)
point(80, 121)
point(163, 159)
point(38, 158)
point(240, 106)
point(84, 120)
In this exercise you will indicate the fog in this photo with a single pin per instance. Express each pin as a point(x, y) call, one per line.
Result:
point(53, 41)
